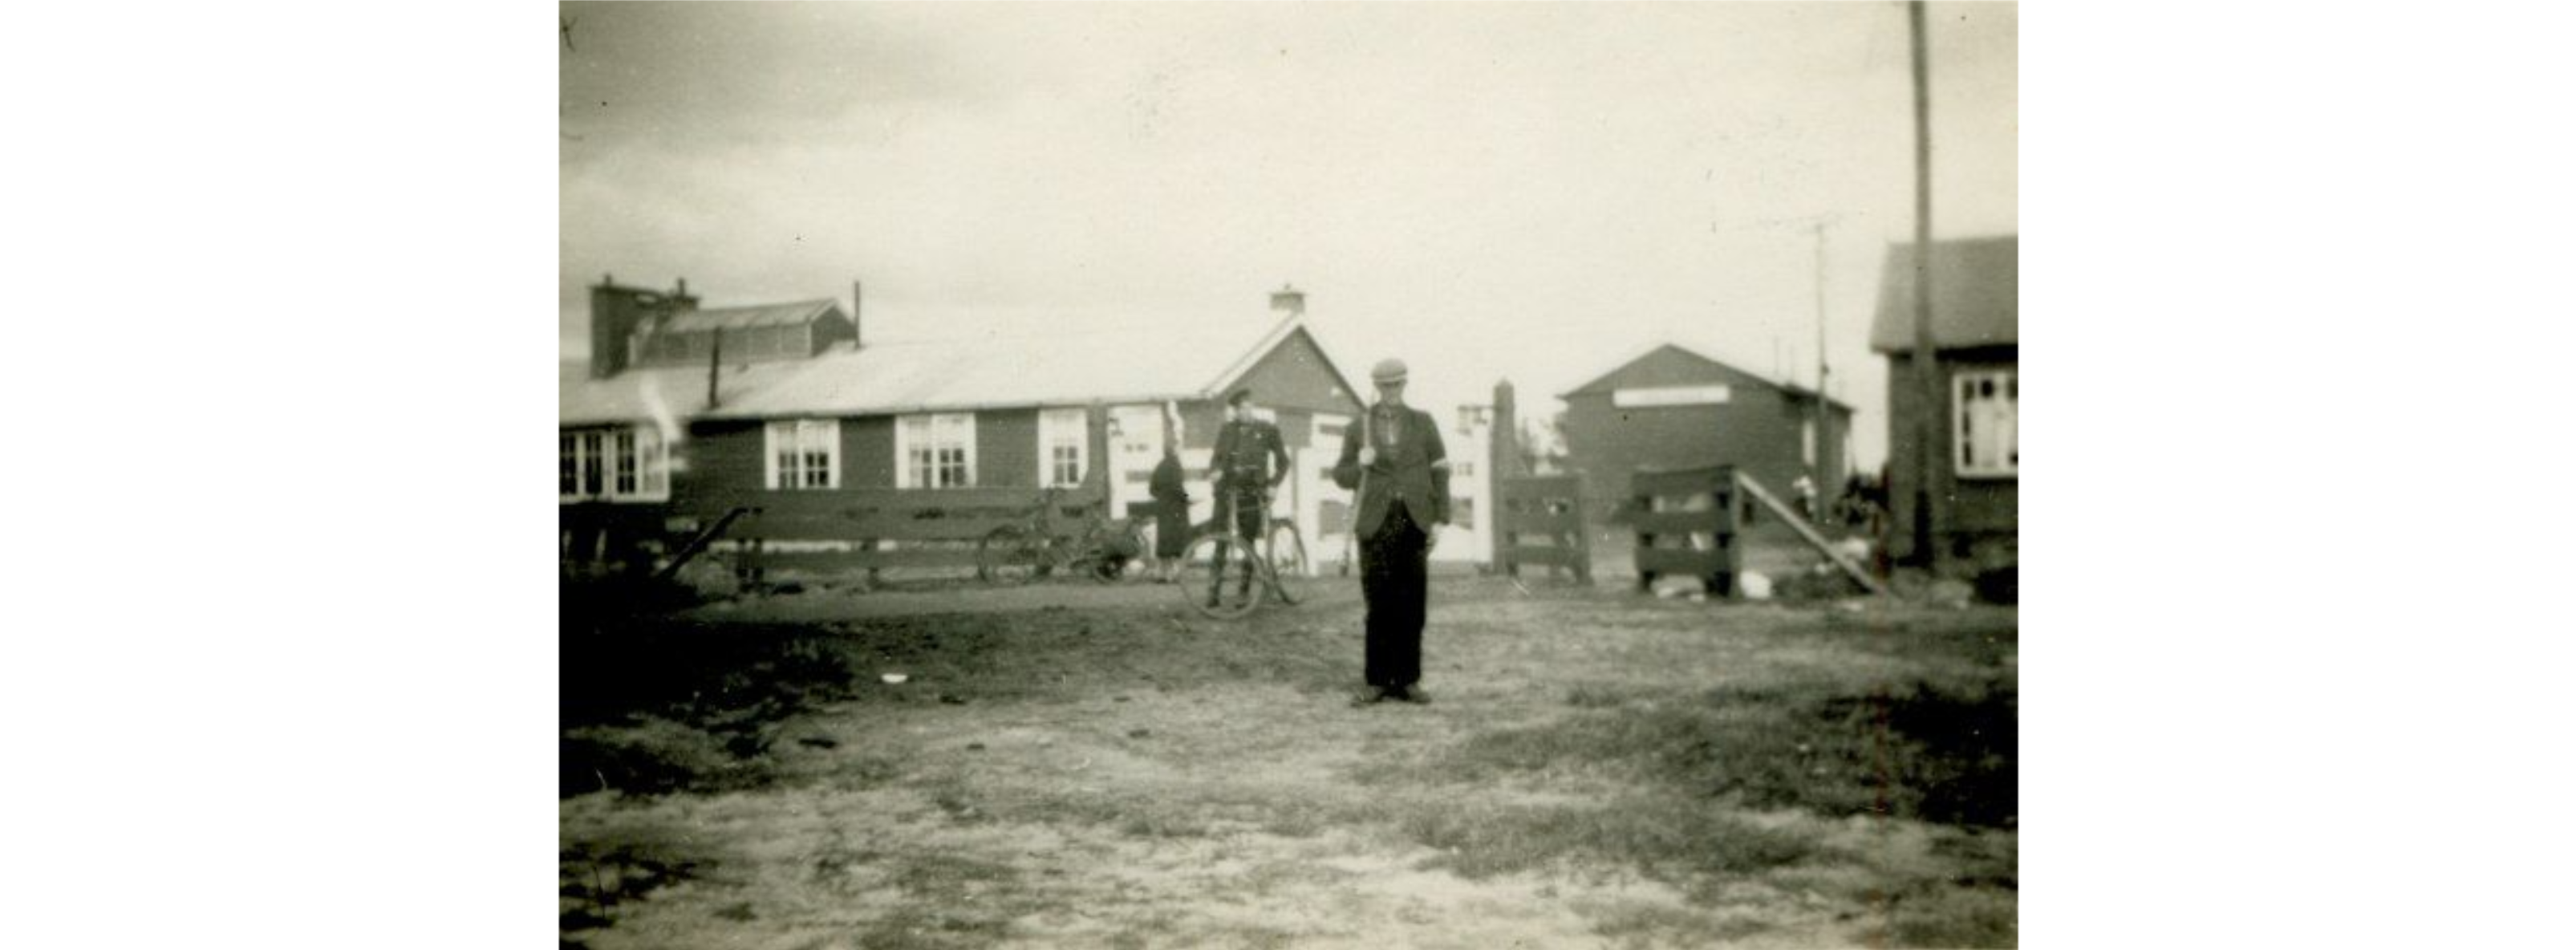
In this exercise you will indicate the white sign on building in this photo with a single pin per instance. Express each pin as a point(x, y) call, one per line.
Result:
point(1669, 396)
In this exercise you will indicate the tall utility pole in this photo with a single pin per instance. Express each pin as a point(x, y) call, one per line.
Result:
point(1927, 426)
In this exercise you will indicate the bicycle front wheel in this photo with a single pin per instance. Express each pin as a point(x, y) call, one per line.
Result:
point(1217, 577)
point(1288, 560)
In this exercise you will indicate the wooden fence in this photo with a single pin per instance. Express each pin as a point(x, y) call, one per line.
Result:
point(894, 528)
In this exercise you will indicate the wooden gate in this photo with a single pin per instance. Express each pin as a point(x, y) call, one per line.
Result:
point(1686, 524)
point(1540, 521)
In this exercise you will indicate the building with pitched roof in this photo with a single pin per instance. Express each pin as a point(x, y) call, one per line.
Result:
point(1672, 408)
point(705, 410)
point(1975, 486)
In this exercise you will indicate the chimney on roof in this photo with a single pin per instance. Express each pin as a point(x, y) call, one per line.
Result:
point(1288, 301)
point(617, 314)
point(854, 314)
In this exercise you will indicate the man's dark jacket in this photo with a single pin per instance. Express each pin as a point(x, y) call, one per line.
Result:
point(1404, 470)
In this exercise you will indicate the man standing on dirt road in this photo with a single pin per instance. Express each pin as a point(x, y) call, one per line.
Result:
point(1395, 460)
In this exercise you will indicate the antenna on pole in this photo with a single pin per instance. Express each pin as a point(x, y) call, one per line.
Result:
point(1823, 419)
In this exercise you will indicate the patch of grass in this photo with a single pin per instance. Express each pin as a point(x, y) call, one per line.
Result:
point(1597, 696)
point(1669, 837)
point(960, 807)
point(1150, 824)
point(1634, 924)
point(597, 877)
point(652, 709)
point(1297, 819)
point(701, 677)
point(1953, 918)
point(868, 771)
point(653, 757)
point(1942, 753)
point(1946, 755)
point(951, 901)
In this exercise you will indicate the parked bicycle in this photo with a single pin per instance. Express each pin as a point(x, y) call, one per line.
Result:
point(1034, 548)
point(1220, 567)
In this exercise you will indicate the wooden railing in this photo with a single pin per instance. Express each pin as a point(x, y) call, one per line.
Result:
point(894, 528)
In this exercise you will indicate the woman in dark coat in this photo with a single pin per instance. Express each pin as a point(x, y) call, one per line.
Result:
point(1172, 515)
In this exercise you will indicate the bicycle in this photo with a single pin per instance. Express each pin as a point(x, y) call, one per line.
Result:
point(1220, 565)
point(1018, 553)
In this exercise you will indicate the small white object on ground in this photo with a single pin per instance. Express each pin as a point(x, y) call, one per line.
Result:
point(894, 677)
point(1756, 586)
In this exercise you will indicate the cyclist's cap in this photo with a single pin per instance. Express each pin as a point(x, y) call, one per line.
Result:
point(1388, 370)
point(1237, 397)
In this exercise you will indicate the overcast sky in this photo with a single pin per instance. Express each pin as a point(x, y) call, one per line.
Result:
point(1524, 191)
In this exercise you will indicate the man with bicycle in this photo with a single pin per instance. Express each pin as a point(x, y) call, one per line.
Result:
point(1245, 477)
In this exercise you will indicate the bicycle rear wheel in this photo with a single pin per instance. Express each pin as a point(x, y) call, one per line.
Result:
point(1106, 568)
point(1217, 577)
point(1288, 560)
point(1009, 555)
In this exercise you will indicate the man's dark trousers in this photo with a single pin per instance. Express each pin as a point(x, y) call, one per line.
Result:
point(1394, 577)
point(1250, 513)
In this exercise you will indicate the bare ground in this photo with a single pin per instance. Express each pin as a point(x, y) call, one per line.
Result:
point(1096, 767)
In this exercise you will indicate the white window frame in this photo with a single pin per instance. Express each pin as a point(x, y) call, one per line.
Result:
point(1994, 422)
point(807, 438)
point(1063, 428)
point(597, 454)
point(934, 433)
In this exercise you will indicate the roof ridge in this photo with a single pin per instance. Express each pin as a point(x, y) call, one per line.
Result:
point(772, 306)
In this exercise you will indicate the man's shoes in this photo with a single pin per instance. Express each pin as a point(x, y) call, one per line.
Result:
point(1371, 697)
point(1410, 694)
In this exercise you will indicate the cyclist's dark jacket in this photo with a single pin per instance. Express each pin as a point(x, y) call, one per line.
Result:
point(1244, 451)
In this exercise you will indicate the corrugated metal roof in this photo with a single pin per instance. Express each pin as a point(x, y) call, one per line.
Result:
point(1002, 371)
point(1187, 361)
point(663, 394)
point(1976, 295)
point(737, 318)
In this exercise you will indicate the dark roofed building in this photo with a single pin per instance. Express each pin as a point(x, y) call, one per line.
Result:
point(1976, 316)
point(1062, 407)
point(767, 332)
point(1672, 408)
